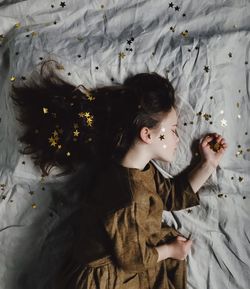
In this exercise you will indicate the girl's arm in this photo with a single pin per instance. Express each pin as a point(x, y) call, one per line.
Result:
point(209, 160)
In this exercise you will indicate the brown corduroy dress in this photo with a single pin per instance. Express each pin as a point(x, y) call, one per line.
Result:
point(119, 228)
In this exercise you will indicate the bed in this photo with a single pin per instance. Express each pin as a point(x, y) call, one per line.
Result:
point(203, 47)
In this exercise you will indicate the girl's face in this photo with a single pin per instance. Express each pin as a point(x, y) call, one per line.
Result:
point(165, 138)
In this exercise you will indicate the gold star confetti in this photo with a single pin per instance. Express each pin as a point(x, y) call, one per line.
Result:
point(12, 78)
point(223, 122)
point(161, 137)
point(206, 68)
point(55, 133)
point(81, 114)
point(214, 145)
point(90, 97)
point(34, 206)
point(184, 33)
point(89, 121)
point(76, 132)
point(59, 147)
point(207, 116)
point(17, 25)
point(52, 141)
point(45, 110)
point(87, 114)
point(121, 55)
point(68, 154)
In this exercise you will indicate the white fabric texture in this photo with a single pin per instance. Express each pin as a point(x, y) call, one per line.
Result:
point(204, 48)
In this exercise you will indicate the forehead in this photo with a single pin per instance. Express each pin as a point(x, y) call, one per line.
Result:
point(169, 118)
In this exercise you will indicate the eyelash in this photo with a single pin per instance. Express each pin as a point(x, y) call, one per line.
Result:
point(175, 132)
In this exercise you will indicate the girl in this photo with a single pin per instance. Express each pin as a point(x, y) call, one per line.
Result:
point(120, 239)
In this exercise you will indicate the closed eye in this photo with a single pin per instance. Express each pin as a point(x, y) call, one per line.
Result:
point(175, 132)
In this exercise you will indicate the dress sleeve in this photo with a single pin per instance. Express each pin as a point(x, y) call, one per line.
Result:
point(128, 235)
point(176, 193)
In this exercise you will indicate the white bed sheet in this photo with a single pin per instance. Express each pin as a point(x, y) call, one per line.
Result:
point(100, 40)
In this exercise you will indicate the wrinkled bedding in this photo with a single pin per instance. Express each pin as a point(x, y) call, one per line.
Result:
point(204, 49)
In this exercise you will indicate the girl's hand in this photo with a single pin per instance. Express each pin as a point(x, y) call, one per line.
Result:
point(180, 248)
point(212, 147)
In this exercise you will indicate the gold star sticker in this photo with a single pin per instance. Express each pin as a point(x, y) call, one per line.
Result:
point(121, 55)
point(45, 110)
point(161, 137)
point(76, 132)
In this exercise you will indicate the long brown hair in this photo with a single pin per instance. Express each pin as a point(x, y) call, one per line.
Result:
point(66, 125)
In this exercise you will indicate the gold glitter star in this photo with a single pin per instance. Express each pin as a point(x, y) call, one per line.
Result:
point(52, 141)
point(121, 55)
point(55, 133)
point(68, 154)
point(76, 132)
point(89, 121)
point(45, 110)
point(87, 114)
point(59, 147)
point(81, 114)
point(184, 33)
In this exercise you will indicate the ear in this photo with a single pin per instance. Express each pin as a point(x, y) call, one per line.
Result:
point(145, 135)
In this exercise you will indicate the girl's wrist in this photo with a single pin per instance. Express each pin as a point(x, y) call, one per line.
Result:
point(208, 164)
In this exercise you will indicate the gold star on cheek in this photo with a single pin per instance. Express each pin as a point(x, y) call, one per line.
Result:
point(161, 137)
point(76, 132)
point(45, 110)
